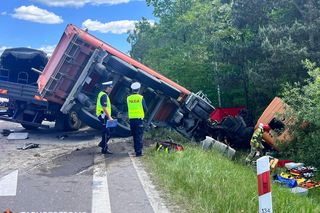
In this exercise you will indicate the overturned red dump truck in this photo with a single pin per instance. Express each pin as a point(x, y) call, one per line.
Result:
point(81, 62)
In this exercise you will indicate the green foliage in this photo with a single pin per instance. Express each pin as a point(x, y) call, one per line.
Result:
point(200, 181)
point(250, 48)
point(305, 108)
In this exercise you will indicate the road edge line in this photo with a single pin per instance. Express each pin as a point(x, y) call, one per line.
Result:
point(157, 203)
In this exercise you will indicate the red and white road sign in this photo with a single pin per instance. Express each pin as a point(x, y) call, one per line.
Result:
point(264, 185)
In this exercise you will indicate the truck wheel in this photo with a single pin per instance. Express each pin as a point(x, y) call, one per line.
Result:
point(92, 121)
point(148, 80)
point(169, 90)
point(27, 117)
point(121, 67)
point(72, 121)
point(29, 127)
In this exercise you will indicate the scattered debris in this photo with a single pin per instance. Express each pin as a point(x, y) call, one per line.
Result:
point(37, 155)
point(207, 143)
point(293, 165)
point(77, 136)
point(29, 146)
point(210, 143)
point(281, 163)
point(297, 176)
point(273, 163)
point(6, 132)
point(309, 184)
point(300, 191)
point(18, 136)
point(169, 146)
point(62, 137)
point(291, 183)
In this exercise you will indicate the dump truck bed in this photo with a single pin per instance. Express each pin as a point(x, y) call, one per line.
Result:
point(58, 77)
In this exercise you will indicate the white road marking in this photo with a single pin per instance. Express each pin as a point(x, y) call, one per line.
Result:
point(8, 184)
point(100, 191)
point(155, 200)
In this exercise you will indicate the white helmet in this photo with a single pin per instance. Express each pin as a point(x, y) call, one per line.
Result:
point(135, 86)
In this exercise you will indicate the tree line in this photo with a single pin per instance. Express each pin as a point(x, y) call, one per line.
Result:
point(247, 48)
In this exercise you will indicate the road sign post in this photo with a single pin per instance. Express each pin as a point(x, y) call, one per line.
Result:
point(264, 185)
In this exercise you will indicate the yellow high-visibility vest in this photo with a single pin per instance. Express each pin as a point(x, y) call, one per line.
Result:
point(99, 109)
point(135, 107)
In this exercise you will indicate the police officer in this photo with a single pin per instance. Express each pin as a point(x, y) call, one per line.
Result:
point(103, 112)
point(136, 111)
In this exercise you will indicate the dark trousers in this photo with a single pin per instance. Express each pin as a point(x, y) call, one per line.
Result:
point(136, 126)
point(105, 134)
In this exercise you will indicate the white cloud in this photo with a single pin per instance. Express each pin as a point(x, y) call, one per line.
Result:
point(116, 27)
point(80, 3)
point(4, 13)
point(48, 49)
point(36, 14)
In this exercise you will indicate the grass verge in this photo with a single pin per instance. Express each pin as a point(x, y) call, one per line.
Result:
point(206, 181)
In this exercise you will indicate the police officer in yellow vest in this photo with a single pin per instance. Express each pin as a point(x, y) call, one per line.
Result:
point(136, 110)
point(103, 112)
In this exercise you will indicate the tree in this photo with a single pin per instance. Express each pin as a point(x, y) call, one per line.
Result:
point(305, 108)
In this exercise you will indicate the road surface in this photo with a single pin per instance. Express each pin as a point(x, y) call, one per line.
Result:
point(67, 173)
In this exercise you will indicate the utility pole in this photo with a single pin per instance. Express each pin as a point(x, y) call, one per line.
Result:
point(218, 85)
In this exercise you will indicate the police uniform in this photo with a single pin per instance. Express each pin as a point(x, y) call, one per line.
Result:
point(103, 100)
point(136, 113)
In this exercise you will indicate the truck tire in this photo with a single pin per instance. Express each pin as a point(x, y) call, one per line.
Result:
point(92, 121)
point(148, 80)
point(121, 67)
point(27, 117)
point(29, 127)
point(169, 90)
point(72, 121)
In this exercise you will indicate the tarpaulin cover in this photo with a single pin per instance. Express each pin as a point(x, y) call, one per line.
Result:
point(219, 113)
point(22, 59)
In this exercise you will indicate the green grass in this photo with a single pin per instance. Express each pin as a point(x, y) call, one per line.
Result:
point(206, 181)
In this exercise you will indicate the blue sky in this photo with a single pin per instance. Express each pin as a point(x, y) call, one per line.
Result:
point(39, 24)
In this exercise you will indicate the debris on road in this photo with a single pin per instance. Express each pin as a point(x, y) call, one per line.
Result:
point(29, 146)
point(18, 136)
point(62, 137)
point(77, 136)
point(6, 132)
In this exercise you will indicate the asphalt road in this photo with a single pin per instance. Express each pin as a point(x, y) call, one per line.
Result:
point(67, 173)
